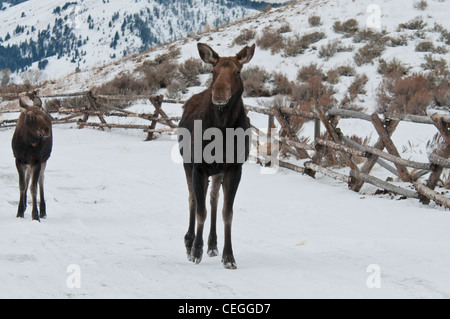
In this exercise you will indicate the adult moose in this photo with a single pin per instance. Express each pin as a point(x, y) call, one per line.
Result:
point(220, 107)
point(32, 144)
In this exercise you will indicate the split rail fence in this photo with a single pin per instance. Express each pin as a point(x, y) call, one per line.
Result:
point(334, 139)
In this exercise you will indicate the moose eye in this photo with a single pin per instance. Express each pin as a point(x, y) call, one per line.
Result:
point(238, 73)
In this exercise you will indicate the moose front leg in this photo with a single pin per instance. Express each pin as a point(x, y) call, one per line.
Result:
point(231, 181)
point(190, 235)
point(200, 183)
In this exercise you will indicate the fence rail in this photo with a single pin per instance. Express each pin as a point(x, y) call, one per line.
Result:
point(385, 126)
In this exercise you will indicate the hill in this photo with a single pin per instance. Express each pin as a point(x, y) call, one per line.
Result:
point(58, 38)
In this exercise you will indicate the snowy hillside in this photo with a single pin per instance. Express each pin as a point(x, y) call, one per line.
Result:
point(389, 35)
point(59, 37)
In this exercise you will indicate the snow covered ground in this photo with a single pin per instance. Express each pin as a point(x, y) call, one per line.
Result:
point(118, 213)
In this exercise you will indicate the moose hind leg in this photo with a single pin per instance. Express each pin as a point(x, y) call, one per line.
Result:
point(24, 178)
point(214, 199)
point(35, 173)
point(42, 206)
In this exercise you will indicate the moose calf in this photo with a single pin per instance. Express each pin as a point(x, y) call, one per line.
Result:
point(32, 145)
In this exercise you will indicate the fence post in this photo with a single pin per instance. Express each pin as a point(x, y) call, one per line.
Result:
point(316, 125)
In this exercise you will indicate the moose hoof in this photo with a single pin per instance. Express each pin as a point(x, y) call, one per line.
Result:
point(213, 252)
point(229, 263)
point(196, 256)
point(35, 216)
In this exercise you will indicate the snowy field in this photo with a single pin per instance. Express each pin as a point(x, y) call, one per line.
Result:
point(117, 214)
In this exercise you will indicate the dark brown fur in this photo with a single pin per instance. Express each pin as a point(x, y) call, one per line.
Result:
point(220, 106)
point(32, 145)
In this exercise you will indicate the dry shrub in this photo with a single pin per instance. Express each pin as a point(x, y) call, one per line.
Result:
point(358, 85)
point(281, 84)
point(333, 158)
point(314, 21)
point(346, 70)
point(368, 53)
point(439, 67)
point(292, 46)
point(53, 105)
point(160, 76)
point(401, 40)
point(330, 49)
point(440, 90)
point(421, 5)
point(147, 78)
point(425, 46)
point(438, 146)
point(270, 39)
point(311, 38)
point(348, 28)
point(172, 54)
point(445, 37)
point(255, 79)
point(393, 68)
point(244, 37)
point(333, 76)
point(79, 102)
point(297, 122)
point(446, 180)
point(314, 92)
point(123, 84)
point(16, 88)
point(176, 88)
point(309, 71)
point(410, 95)
point(190, 70)
point(368, 35)
point(298, 44)
point(415, 24)
point(285, 28)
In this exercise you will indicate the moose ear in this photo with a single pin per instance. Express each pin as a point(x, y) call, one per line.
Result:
point(207, 54)
point(246, 54)
point(24, 106)
point(37, 102)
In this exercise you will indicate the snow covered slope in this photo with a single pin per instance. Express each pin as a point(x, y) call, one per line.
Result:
point(60, 37)
point(388, 15)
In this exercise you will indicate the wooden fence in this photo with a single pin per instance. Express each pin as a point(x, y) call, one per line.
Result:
point(359, 175)
point(98, 107)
